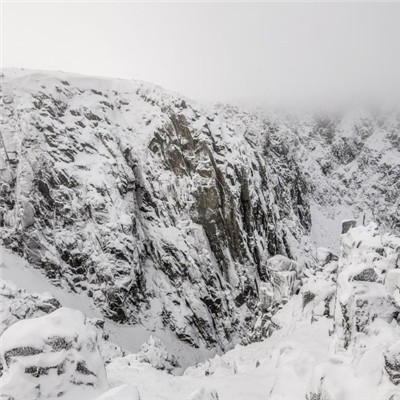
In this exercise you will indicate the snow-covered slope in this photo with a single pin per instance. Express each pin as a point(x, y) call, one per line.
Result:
point(306, 357)
point(164, 212)
point(333, 340)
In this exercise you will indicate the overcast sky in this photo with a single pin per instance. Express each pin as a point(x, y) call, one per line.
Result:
point(214, 51)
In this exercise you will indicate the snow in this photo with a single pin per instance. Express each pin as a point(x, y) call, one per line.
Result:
point(129, 337)
point(142, 211)
point(49, 356)
point(122, 392)
point(15, 269)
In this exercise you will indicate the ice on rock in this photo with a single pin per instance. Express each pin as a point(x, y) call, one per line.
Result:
point(51, 356)
point(284, 280)
point(283, 274)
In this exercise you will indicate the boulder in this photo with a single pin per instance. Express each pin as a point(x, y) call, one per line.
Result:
point(51, 356)
point(368, 301)
point(154, 352)
point(347, 224)
point(392, 362)
point(18, 304)
point(392, 283)
point(366, 275)
point(325, 259)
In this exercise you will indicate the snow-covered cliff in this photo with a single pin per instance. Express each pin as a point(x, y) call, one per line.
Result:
point(164, 211)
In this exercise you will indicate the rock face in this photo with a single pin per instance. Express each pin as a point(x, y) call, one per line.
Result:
point(366, 259)
point(366, 316)
point(51, 356)
point(165, 212)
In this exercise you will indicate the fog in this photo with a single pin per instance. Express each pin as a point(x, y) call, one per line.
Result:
point(274, 52)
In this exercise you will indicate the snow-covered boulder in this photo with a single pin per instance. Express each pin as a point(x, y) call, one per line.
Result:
point(51, 356)
point(325, 259)
point(155, 353)
point(366, 258)
point(318, 296)
point(369, 301)
point(392, 362)
point(392, 283)
point(17, 304)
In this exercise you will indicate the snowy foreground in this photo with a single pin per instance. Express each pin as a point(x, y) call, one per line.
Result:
point(331, 333)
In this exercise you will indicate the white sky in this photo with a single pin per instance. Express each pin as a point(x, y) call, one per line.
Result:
point(214, 51)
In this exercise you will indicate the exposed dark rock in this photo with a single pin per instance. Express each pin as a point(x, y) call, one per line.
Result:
point(367, 275)
point(347, 225)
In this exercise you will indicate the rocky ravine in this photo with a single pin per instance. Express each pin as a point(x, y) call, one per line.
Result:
point(164, 211)
point(337, 338)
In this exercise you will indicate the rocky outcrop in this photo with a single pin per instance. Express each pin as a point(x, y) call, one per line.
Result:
point(17, 304)
point(392, 362)
point(51, 356)
point(347, 225)
point(366, 259)
point(283, 277)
